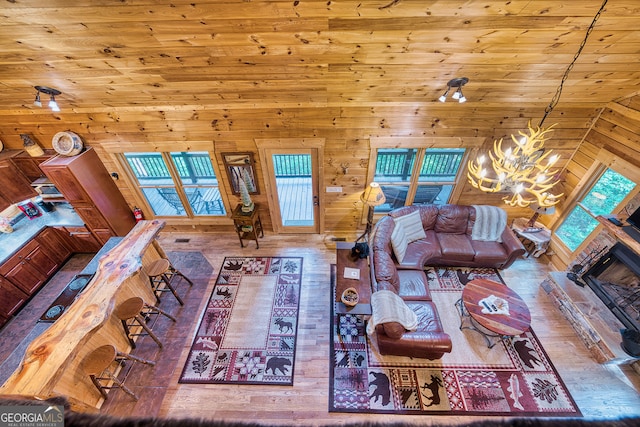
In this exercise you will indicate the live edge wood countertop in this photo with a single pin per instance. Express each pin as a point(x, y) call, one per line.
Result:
point(51, 365)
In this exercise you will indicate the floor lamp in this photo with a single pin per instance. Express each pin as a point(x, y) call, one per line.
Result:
point(372, 197)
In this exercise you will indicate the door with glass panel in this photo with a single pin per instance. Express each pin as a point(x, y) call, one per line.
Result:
point(293, 187)
point(416, 176)
point(182, 184)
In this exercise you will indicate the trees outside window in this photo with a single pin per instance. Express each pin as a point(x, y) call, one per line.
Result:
point(604, 198)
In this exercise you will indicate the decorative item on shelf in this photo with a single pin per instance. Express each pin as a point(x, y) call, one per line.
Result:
point(240, 168)
point(537, 211)
point(525, 169)
point(247, 228)
point(247, 205)
point(457, 95)
point(1, 145)
point(372, 197)
point(67, 143)
point(31, 146)
point(350, 297)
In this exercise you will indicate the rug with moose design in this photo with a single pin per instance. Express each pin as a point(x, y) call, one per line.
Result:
point(514, 378)
point(247, 333)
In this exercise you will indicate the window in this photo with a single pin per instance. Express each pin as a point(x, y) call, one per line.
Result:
point(603, 198)
point(178, 183)
point(405, 184)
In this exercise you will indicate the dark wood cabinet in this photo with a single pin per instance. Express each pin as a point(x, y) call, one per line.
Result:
point(88, 186)
point(55, 243)
point(30, 166)
point(30, 267)
point(11, 299)
point(80, 239)
point(14, 185)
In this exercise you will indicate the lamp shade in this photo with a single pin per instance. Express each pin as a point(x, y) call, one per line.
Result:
point(542, 210)
point(373, 195)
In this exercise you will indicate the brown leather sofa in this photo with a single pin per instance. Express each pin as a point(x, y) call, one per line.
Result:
point(448, 242)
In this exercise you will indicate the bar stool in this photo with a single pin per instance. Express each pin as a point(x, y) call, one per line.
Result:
point(132, 313)
point(97, 365)
point(161, 271)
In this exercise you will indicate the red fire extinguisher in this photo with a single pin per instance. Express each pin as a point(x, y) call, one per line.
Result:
point(137, 214)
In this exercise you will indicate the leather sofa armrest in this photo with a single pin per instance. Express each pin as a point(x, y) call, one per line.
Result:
point(512, 245)
point(421, 344)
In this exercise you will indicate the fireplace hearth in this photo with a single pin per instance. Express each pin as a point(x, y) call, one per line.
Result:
point(615, 279)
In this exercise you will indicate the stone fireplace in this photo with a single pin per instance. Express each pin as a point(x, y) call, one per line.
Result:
point(615, 279)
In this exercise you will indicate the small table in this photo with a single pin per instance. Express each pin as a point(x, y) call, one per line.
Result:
point(496, 325)
point(361, 285)
point(536, 242)
point(247, 224)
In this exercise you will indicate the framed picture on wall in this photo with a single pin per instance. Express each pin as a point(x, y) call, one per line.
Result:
point(239, 166)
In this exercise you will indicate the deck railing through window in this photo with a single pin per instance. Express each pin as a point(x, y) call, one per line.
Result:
point(190, 166)
point(398, 164)
point(292, 165)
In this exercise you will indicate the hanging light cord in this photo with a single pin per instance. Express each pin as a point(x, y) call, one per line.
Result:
point(556, 97)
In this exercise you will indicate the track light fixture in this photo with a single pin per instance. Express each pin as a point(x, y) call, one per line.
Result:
point(48, 91)
point(457, 95)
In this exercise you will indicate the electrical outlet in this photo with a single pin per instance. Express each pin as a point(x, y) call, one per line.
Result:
point(334, 189)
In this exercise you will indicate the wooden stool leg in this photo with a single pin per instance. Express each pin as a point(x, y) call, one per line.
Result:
point(173, 291)
point(127, 332)
point(127, 356)
point(179, 273)
point(152, 309)
point(96, 383)
point(121, 384)
point(148, 330)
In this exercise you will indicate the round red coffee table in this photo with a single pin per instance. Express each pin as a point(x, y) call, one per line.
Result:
point(478, 313)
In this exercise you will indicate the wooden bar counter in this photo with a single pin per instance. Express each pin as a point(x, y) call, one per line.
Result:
point(51, 365)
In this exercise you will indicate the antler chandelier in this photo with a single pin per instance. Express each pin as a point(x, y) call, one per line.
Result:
point(526, 168)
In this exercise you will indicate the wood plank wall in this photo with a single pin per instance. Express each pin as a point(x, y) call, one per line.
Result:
point(616, 130)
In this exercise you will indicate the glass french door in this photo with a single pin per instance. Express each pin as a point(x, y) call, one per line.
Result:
point(293, 189)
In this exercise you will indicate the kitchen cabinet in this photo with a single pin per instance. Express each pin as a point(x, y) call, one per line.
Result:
point(79, 239)
point(89, 188)
point(14, 185)
point(30, 267)
point(55, 243)
point(30, 166)
point(11, 299)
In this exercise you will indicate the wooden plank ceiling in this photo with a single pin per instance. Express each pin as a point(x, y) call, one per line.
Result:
point(229, 71)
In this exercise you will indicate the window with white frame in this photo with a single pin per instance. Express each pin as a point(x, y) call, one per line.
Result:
point(182, 184)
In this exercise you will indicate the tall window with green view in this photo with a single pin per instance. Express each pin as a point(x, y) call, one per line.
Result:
point(603, 198)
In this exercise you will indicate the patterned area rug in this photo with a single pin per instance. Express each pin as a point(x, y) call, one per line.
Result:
point(514, 378)
point(247, 334)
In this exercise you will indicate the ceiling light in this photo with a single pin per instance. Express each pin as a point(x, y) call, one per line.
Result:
point(48, 91)
point(525, 170)
point(456, 83)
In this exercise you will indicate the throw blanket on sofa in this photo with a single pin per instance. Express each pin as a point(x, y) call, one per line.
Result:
point(490, 223)
point(386, 306)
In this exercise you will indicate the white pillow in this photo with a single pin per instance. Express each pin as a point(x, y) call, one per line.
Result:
point(412, 225)
point(399, 242)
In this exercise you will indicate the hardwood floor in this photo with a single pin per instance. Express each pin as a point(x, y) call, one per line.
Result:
point(601, 391)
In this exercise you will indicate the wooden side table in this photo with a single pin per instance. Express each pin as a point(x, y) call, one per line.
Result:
point(536, 243)
point(247, 225)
